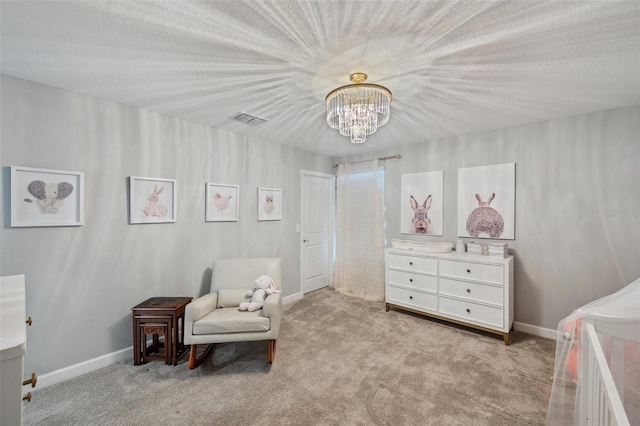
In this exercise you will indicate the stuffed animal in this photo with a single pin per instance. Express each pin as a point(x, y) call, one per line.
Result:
point(572, 331)
point(262, 287)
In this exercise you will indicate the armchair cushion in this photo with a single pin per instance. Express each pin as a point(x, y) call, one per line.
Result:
point(232, 297)
point(231, 320)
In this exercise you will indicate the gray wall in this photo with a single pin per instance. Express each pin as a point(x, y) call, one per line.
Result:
point(83, 281)
point(577, 204)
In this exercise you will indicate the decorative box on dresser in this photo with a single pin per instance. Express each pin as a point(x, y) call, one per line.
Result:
point(471, 290)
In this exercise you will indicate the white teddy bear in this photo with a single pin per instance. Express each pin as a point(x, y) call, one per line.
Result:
point(262, 287)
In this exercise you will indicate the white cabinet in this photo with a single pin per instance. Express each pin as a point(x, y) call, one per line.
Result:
point(13, 341)
point(475, 291)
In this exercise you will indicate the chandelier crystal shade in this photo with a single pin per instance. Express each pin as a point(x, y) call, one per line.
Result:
point(358, 109)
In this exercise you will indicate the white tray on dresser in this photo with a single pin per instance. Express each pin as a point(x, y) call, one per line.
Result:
point(471, 290)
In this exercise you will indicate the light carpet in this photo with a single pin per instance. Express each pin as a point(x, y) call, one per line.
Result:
point(339, 361)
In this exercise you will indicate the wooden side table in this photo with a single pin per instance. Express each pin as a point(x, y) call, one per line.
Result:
point(159, 316)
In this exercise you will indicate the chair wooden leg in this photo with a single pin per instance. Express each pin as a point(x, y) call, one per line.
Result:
point(194, 360)
point(272, 351)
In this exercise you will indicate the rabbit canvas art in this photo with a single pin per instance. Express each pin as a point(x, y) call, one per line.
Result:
point(421, 207)
point(420, 221)
point(154, 206)
point(485, 219)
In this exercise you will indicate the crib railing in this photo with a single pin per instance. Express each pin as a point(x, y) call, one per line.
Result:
point(600, 401)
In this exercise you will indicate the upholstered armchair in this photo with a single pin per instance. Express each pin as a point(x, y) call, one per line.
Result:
point(215, 318)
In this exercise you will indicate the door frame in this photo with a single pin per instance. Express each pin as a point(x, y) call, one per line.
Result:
point(332, 222)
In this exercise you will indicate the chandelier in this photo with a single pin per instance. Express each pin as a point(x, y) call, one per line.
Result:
point(358, 109)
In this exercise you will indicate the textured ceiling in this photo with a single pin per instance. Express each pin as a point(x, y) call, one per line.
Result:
point(454, 67)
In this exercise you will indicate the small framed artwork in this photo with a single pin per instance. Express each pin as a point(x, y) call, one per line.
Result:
point(152, 200)
point(422, 203)
point(269, 204)
point(221, 202)
point(486, 201)
point(44, 197)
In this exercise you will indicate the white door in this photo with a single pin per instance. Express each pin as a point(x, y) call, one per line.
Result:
point(317, 220)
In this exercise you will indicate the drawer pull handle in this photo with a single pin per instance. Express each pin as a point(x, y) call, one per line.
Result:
point(410, 297)
point(468, 290)
point(29, 321)
point(468, 271)
point(27, 397)
point(411, 263)
point(410, 280)
point(468, 310)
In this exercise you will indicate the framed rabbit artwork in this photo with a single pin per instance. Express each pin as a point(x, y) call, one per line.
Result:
point(44, 197)
point(421, 208)
point(486, 201)
point(152, 200)
point(269, 204)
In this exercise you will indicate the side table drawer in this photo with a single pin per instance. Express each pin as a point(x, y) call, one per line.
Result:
point(410, 263)
point(471, 312)
point(471, 291)
point(413, 299)
point(472, 271)
point(407, 279)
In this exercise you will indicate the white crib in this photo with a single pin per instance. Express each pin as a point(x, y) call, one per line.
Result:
point(596, 379)
point(602, 387)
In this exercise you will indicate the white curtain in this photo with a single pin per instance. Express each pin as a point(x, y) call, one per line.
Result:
point(359, 265)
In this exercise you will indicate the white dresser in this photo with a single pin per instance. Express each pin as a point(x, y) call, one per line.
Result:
point(475, 291)
point(13, 342)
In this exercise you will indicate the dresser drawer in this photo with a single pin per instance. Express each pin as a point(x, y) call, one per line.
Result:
point(472, 271)
point(471, 312)
point(471, 291)
point(411, 263)
point(412, 299)
point(407, 279)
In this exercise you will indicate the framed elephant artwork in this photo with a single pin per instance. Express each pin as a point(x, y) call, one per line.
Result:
point(422, 206)
point(486, 201)
point(44, 197)
point(152, 200)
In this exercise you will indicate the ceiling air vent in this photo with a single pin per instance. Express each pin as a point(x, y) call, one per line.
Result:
point(248, 119)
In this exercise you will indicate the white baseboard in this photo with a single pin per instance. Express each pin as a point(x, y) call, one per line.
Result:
point(292, 298)
point(76, 370)
point(535, 330)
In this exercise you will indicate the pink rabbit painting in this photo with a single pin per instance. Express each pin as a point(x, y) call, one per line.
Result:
point(154, 207)
point(420, 221)
point(485, 219)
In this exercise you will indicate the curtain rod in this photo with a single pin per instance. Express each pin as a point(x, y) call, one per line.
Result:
point(379, 158)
